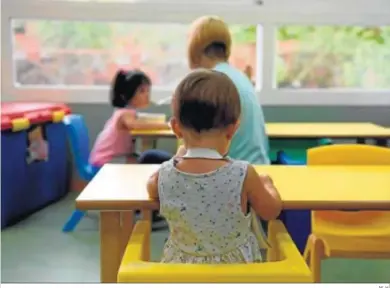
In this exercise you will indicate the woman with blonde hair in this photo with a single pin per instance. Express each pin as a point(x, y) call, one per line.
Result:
point(209, 46)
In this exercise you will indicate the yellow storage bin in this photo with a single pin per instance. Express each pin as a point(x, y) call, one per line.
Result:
point(286, 263)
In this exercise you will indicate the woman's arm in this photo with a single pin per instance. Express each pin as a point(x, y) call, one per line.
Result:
point(152, 186)
point(128, 121)
point(263, 196)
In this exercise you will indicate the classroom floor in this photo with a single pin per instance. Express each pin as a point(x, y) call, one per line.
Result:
point(35, 250)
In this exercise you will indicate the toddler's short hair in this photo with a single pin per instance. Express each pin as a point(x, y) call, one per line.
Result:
point(206, 99)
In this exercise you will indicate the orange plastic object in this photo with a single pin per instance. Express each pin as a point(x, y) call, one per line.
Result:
point(348, 233)
point(287, 266)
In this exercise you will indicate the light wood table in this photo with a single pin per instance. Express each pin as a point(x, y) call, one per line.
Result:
point(119, 188)
point(297, 131)
point(331, 130)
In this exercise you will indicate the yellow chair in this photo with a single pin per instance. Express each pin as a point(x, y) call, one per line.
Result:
point(179, 142)
point(364, 234)
point(289, 267)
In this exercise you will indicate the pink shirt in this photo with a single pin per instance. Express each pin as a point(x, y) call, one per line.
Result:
point(112, 141)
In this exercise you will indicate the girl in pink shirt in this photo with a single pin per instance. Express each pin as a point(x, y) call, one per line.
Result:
point(130, 90)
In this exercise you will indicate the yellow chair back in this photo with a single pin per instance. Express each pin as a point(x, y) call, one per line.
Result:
point(348, 154)
point(179, 142)
point(288, 267)
point(335, 222)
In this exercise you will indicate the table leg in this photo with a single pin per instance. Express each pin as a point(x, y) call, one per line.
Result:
point(127, 224)
point(110, 246)
point(148, 143)
point(361, 141)
point(381, 142)
point(147, 215)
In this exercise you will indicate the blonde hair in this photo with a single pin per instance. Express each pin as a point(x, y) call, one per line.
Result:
point(205, 100)
point(205, 31)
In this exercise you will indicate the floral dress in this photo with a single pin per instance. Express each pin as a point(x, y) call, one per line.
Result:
point(204, 215)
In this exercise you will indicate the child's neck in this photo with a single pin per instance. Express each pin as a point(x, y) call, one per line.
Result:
point(210, 143)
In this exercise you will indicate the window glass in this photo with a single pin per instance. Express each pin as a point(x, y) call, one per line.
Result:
point(50, 53)
point(333, 57)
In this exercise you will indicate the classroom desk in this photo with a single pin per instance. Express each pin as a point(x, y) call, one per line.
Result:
point(359, 131)
point(117, 188)
point(299, 131)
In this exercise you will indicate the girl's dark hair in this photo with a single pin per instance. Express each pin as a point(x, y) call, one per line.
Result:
point(125, 85)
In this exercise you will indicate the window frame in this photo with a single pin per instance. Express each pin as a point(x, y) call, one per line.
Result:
point(271, 14)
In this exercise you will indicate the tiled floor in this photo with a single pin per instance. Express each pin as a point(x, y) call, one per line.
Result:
point(36, 250)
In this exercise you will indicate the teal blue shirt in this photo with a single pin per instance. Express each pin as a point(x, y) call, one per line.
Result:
point(250, 143)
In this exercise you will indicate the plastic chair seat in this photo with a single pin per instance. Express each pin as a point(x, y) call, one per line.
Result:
point(363, 233)
point(346, 246)
point(358, 224)
point(355, 234)
point(289, 267)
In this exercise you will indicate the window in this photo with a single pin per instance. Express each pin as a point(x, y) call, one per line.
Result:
point(303, 52)
point(326, 57)
point(68, 53)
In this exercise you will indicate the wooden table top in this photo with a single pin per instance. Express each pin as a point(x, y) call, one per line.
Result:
point(123, 187)
point(301, 130)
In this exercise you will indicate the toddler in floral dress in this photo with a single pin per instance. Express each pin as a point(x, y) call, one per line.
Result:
point(203, 194)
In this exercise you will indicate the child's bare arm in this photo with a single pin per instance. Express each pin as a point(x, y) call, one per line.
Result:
point(263, 196)
point(129, 122)
point(152, 186)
